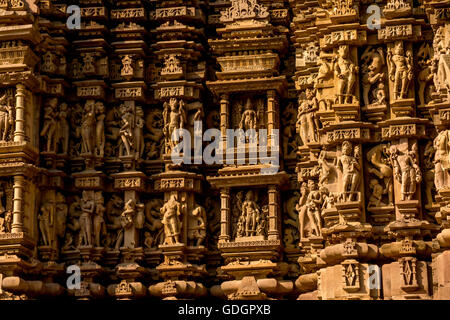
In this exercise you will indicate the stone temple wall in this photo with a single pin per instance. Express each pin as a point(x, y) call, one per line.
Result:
point(232, 149)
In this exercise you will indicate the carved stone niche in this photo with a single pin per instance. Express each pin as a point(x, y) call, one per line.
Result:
point(379, 184)
point(183, 218)
point(374, 83)
point(349, 280)
point(400, 64)
point(346, 103)
point(250, 231)
point(342, 180)
point(6, 206)
point(407, 278)
point(7, 115)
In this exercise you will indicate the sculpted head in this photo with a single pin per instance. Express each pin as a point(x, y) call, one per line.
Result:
point(347, 148)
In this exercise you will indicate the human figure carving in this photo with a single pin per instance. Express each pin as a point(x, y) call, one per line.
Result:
point(250, 211)
point(61, 211)
point(87, 209)
point(45, 222)
point(174, 118)
point(400, 69)
point(87, 127)
point(425, 75)
point(406, 171)
point(6, 116)
point(351, 170)
point(50, 125)
point(197, 225)
point(373, 63)
point(98, 220)
point(154, 224)
point(301, 208)
point(64, 127)
point(249, 118)
point(381, 168)
point(127, 129)
point(139, 132)
point(100, 129)
point(441, 145)
point(345, 71)
point(171, 212)
point(429, 174)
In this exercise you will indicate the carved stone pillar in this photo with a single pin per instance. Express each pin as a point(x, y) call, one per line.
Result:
point(17, 224)
point(271, 116)
point(19, 132)
point(273, 232)
point(224, 215)
point(224, 112)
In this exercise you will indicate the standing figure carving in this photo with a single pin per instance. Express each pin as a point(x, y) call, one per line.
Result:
point(249, 117)
point(174, 118)
point(197, 225)
point(64, 128)
point(45, 222)
point(400, 69)
point(345, 71)
point(98, 220)
point(171, 212)
point(406, 171)
point(88, 127)
point(100, 129)
point(139, 132)
point(441, 157)
point(6, 116)
point(351, 170)
point(250, 211)
point(49, 130)
point(127, 129)
point(87, 209)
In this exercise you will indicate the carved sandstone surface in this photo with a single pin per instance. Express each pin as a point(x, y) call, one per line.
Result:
point(358, 206)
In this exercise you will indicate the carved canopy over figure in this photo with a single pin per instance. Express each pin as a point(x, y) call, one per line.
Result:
point(400, 69)
point(345, 71)
point(171, 212)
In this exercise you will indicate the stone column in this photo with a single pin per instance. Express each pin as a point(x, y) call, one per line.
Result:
point(19, 132)
point(17, 223)
point(224, 104)
point(224, 215)
point(271, 115)
point(273, 233)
